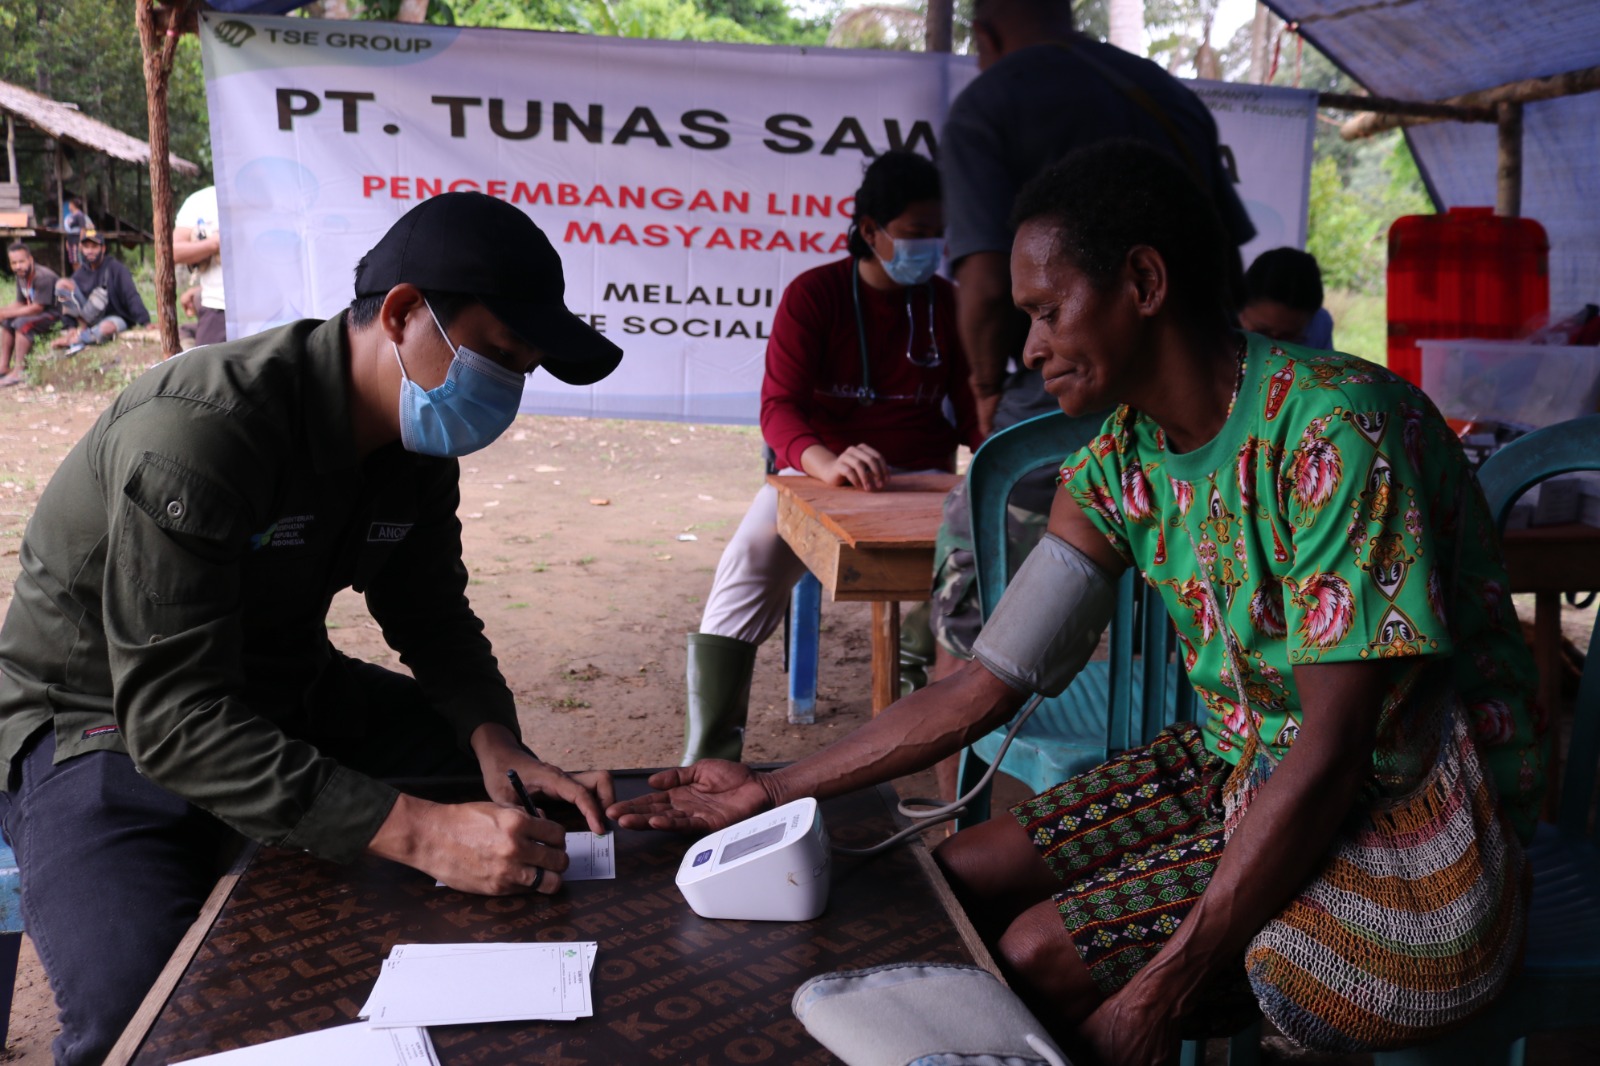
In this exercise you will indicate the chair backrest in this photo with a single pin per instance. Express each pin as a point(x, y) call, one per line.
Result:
point(1564, 448)
point(1140, 624)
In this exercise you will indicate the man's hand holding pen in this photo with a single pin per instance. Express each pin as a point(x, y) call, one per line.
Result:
point(504, 846)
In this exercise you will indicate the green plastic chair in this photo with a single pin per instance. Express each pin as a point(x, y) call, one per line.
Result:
point(1559, 986)
point(1112, 705)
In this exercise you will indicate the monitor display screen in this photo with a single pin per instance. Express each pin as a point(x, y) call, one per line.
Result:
point(751, 844)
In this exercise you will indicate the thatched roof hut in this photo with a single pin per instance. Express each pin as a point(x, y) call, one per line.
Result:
point(55, 129)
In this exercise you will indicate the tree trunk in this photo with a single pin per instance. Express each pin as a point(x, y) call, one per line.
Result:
point(1207, 64)
point(1127, 25)
point(1260, 44)
point(413, 11)
point(41, 73)
point(939, 34)
point(159, 47)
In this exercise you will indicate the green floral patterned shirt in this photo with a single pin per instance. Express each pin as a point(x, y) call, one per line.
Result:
point(1326, 515)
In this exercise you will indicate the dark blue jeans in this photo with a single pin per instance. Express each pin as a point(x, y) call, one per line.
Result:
point(114, 869)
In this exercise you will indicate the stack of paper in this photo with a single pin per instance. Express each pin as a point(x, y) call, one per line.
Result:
point(339, 1046)
point(470, 984)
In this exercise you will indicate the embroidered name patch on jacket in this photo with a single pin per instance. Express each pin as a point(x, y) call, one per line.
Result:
point(388, 532)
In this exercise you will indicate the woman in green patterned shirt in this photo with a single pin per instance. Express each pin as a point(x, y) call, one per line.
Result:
point(1327, 558)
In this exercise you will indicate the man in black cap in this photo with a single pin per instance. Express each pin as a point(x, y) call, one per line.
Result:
point(100, 300)
point(167, 674)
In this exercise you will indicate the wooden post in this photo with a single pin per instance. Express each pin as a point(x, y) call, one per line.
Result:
point(1527, 91)
point(1508, 176)
point(941, 25)
point(158, 40)
point(11, 150)
point(885, 654)
point(55, 167)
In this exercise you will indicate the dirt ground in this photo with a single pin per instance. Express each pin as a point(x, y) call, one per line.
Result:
point(591, 546)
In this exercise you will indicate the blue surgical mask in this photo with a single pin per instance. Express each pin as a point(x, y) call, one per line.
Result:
point(475, 404)
point(915, 259)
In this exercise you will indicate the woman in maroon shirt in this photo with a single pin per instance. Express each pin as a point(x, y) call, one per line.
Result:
point(863, 356)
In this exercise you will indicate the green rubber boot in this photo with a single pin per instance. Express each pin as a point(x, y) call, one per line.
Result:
point(719, 675)
point(916, 649)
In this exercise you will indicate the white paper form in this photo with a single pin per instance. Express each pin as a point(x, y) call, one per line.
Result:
point(465, 984)
point(590, 948)
point(340, 1046)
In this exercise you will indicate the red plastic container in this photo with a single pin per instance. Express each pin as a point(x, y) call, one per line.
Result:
point(1465, 273)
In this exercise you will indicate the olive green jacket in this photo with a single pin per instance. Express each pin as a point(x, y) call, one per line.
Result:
point(177, 574)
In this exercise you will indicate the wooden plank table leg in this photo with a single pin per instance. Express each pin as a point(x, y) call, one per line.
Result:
point(1547, 658)
point(885, 654)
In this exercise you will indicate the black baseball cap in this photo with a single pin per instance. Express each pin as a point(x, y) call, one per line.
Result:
point(476, 245)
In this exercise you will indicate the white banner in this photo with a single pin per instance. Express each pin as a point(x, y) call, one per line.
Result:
point(684, 184)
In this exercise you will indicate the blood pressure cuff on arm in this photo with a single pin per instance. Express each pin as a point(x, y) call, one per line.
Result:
point(1049, 621)
point(927, 1014)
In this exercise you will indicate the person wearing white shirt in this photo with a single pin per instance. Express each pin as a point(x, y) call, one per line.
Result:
point(197, 243)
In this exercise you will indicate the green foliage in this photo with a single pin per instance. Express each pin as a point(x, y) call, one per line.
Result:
point(1360, 323)
point(1094, 18)
point(771, 20)
point(740, 21)
point(507, 14)
point(1352, 208)
point(663, 20)
point(1340, 230)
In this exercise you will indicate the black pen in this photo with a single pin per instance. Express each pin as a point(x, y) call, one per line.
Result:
point(522, 794)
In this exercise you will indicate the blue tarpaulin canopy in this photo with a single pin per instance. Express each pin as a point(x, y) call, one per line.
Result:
point(1433, 50)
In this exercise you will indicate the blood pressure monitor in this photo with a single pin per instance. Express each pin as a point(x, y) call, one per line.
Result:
point(773, 867)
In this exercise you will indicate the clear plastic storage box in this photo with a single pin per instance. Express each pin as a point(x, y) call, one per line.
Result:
point(1508, 381)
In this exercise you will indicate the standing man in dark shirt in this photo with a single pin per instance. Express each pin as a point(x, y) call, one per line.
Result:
point(167, 672)
point(100, 300)
point(33, 312)
point(1044, 90)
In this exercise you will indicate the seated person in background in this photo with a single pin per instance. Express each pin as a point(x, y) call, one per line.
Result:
point(34, 312)
point(1318, 540)
point(100, 300)
point(863, 354)
point(1283, 299)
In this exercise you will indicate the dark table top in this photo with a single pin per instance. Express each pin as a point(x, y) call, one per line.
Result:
point(294, 945)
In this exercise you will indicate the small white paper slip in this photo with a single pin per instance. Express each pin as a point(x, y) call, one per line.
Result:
point(340, 1046)
point(590, 857)
point(467, 984)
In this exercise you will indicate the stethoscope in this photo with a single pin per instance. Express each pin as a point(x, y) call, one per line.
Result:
point(864, 393)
